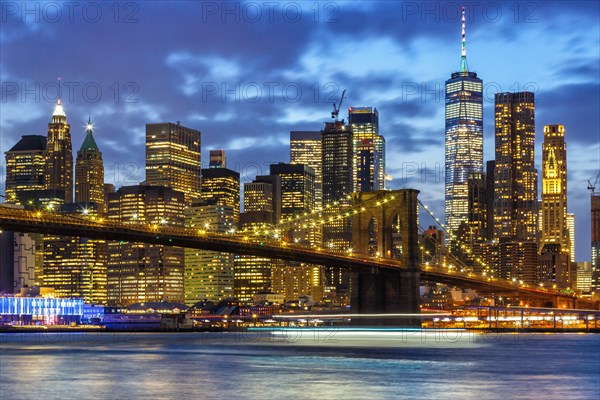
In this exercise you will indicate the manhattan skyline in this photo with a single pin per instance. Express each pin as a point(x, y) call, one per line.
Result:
point(393, 62)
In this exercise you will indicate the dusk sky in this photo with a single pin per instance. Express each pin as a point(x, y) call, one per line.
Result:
point(246, 73)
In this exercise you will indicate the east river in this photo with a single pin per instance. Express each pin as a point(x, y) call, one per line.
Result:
point(321, 364)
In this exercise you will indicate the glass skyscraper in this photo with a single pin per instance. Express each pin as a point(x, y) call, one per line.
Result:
point(464, 139)
point(369, 149)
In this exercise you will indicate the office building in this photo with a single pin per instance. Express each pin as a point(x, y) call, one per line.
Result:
point(571, 227)
point(306, 148)
point(369, 149)
point(463, 139)
point(338, 183)
point(515, 188)
point(262, 200)
point(89, 172)
point(59, 155)
point(595, 214)
point(584, 277)
point(555, 230)
point(208, 274)
point(173, 158)
point(75, 266)
point(222, 186)
point(25, 167)
point(142, 272)
point(297, 188)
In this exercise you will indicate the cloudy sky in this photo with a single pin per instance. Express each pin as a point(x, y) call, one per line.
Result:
point(246, 73)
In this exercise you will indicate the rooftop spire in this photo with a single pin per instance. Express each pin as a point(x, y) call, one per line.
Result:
point(463, 55)
point(59, 110)
point(89, 143)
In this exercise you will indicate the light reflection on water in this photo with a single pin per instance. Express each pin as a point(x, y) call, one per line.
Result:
point(305, 365)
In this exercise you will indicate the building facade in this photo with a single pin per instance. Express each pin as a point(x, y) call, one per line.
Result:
point(369, 149)
point(555, 230)
point(25, 167)
point(338, 184)
point(306, 148)
point(141, 272)
point(75, 266)
point(89, 172)
point(515, 177)
point(173, 158)
point(595, 214)
point(463, 138)
point(222, 186)
point(59, 155)
point(208, 274)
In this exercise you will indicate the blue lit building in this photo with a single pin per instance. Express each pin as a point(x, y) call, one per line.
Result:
point(40, 310)
point(464, 139)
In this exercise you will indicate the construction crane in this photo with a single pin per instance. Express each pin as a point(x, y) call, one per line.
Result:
point(592, 186)
point(336, 109)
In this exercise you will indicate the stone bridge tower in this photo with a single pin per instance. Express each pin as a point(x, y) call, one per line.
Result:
point(388, 228)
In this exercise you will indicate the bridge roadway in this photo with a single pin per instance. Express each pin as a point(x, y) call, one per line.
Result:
point(18, 220)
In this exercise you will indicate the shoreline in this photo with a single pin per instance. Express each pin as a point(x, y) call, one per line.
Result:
point(278, 329)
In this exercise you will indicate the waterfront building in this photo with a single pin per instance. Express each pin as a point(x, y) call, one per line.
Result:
point(208, 274)
point(142, 272)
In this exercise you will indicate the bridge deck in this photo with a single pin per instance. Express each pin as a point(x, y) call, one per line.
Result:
point(60, 224)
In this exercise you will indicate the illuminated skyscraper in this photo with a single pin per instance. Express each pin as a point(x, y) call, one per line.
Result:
point(515, 204)
point(25, 167)
point(173, 158)
point(262, 200)
point(208, 274)
point(338, 184)
point(297, 188)
point(75, 266)
point(141, 272)
point(595, 210)
point(252, 273)
point(555, 232)
point(464, 138)
point(59, 154)
point(571, 227)
point(222, 186)
point(369, 149)
point(297, 197)
point(306, 148)
point(515, 188)
point(89, 172)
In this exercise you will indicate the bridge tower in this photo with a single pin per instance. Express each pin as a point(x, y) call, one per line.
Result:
point(388, 228)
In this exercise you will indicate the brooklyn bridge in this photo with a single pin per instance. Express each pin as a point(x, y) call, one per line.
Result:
point(380, 283)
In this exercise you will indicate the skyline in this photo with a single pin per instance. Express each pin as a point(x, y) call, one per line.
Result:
point(412, 134)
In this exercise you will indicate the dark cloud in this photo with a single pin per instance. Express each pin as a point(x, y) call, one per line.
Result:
point(163, 63)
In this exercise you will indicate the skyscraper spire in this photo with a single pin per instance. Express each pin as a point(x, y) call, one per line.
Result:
point(59, 111)
point(463, 55)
